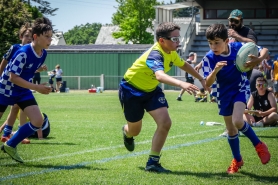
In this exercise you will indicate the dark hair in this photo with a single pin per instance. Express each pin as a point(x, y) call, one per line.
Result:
point(41, 25)
point(202, 90)
point(217, 30)
point(164, 29)
point(261, 79)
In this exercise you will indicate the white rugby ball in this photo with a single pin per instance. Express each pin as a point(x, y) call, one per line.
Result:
point(242, 55)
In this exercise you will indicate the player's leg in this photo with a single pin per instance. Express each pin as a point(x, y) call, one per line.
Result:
point(133, 115)
point(249, 119)
point(233, 141)
point(163, 122)
point(180, 95)
point(157, 107)
point(10, 123)
point(247, 130)
point(32, 111)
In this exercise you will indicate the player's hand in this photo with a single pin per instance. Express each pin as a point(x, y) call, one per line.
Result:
point(259, 114)
point(219, 66)
point(232, 33)
point(44, 67)
point(189, 88)
point(253, 62)
point(43, 89)
point(198, 67)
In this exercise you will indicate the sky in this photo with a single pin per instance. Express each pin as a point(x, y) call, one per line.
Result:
point(77, 12)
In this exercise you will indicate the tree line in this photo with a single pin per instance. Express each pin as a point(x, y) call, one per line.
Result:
point(134, 19)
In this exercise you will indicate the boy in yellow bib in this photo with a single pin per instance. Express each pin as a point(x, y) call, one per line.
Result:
point(139, 91)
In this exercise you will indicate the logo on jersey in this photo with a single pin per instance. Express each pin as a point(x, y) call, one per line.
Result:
point(161, 100)
point(30, 65)
point(171, 64)
point(265, 103)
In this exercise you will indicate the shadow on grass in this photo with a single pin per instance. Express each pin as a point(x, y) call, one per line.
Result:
point(50, 143)
point(224, 175)
point(260, 136)
point(64, 167)
point(261, 178)
point(197, 174)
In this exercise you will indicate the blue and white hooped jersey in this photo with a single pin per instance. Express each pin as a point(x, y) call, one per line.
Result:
point(7, 56)
point(229, 80)
point(24, 63)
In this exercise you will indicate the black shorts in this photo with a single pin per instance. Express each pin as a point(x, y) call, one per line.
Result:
point(190, 80)
point(134, 106)
point(59, 79)
point(50, 82)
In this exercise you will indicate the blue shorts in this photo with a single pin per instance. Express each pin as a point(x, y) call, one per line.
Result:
point(5, 101)
point(134, 106)
point(226, 106)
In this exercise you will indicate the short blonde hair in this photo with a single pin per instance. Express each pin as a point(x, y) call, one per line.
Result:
point(57, 66)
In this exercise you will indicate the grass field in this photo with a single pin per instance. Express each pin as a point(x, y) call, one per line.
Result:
point(85, 146)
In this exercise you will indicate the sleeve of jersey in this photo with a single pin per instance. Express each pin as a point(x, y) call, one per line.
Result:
point(7, 56)
point(18, 63)
point(206, 67)
point(155, 61)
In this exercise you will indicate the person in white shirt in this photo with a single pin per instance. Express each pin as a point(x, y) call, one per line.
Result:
point(59, 73)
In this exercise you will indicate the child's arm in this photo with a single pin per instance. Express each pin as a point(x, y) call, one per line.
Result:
point(41, 88)
point(3, 65)
point(39, 132)
point(212, 76)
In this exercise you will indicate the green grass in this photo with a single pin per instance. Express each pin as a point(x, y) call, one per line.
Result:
point(85, 146)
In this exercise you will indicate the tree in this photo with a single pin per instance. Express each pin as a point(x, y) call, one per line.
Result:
point(14, 14)
point(134, 18)
point(44, 7)
point(83, 34)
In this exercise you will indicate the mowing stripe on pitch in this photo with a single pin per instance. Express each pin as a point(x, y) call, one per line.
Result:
point(104, 160)
point(106, 148)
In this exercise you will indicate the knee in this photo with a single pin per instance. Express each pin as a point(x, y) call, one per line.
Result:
point(166, 125)
point(37, 122)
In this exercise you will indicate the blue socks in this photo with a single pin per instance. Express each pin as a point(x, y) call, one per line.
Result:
point(153, 159)
point(234, 144)
point(249, 132)
point(7, 130)
point(25, 131)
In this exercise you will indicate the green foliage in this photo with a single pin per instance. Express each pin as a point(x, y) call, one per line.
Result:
point(13, 15)
point(43, 7)
point(83, 34)
point(134, 18)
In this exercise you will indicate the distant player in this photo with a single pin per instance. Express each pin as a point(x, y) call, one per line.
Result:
point(232, 90)
point(52, 75)
point(16, 82)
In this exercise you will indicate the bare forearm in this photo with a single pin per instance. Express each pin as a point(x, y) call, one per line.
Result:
point(21, 82)
point(189, 69)
point(243, 39)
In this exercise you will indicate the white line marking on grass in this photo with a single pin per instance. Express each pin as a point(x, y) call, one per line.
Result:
point(106, 148)
point(104, 160)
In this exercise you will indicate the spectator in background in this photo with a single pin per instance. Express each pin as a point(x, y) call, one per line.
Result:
point(59, 73)
point(264, 105)
point(267, 65)
point(37, 78)
point(237, 32)
point(274, 77)
point(192, 58)
point(51, 75)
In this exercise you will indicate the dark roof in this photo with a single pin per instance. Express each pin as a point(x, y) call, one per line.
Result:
point(100, 48)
